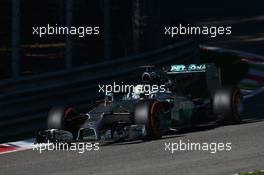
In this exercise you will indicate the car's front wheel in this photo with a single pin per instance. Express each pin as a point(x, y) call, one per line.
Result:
point(150, 113)
point(58, 116)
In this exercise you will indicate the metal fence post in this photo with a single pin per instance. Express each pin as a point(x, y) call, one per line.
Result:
point(107, 29)
point(68, 47)
point(15, 37)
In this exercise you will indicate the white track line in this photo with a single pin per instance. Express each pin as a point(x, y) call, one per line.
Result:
point(256, 92)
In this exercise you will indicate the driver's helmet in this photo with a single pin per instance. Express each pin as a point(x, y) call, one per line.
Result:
point(109, 96)
point(138, 90)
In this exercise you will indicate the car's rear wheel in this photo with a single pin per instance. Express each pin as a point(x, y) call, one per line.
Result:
point(228, 103)
point(150, 113)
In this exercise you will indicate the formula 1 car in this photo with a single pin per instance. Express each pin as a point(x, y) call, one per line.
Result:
point(137, 115)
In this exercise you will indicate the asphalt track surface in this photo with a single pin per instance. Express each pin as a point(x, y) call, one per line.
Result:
point(150, 157)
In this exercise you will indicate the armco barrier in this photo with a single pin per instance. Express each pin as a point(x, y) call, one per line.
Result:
point(25, 102)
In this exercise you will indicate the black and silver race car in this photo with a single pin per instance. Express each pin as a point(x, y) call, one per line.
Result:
point(137, 115)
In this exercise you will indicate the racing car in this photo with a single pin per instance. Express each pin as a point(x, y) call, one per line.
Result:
point(149, 116)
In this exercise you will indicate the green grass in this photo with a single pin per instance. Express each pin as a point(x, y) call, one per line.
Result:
point(253, 173)
point(250, 86)
point(232, 68)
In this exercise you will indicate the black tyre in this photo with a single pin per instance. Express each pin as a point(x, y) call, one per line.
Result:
point(150, 113)
point(228, 103)
point(57, 117)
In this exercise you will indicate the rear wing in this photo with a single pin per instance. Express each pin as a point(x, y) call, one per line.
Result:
point(181, 68)
point(212, 73)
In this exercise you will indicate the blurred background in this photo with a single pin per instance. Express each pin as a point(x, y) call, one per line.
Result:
point(127, 28)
